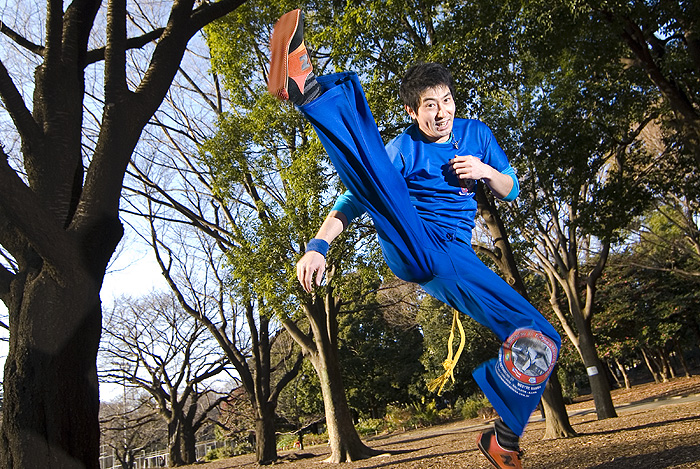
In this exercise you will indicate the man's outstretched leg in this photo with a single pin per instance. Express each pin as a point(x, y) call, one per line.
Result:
point(335, 105)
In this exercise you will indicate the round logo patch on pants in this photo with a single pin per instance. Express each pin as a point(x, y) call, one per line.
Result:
point(526, 360)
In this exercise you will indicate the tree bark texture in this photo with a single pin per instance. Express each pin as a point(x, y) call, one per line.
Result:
point(265, 435)
point(554, 409)
point(51, 368)
point(61, 224)
point(321, 348)
point(600, 388)
point(345, 443)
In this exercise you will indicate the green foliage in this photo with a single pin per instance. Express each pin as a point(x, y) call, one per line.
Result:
point(270, 166)
point(397, 417)
point(287, 441)
point(425, 414)
point(379, 361)
point(645, 307)
point(225, 452)
point(419, 414)
point(301, 402)
point(553, 80)
point(367, 427)
point(435, 320)
point(469, 408)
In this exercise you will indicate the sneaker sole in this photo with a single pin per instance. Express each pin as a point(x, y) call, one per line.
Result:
point(485, 452)
point(282, 35)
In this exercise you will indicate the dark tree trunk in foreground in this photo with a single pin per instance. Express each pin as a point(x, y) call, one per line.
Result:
point(60, 224)
point(48, 375)
point(265, 434)
point(553, 403)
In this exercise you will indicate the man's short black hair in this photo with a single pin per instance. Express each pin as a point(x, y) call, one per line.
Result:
point(421, 77)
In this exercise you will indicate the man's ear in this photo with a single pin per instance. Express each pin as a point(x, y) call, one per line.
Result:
point(412, 114)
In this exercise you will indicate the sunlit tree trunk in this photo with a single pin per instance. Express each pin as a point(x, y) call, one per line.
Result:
point(322, 350)
point(621, 367)
point(650, 365)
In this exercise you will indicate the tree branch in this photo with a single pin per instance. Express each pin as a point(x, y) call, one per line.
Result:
point(24, 212)
point(21, 40)
point(304, 341)
point(5, 278)
point(97, 55)
point(28, 129)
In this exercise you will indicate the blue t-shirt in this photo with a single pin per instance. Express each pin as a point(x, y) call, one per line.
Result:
point(432, 185)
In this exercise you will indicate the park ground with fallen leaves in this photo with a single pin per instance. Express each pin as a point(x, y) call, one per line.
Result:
point(658, 426)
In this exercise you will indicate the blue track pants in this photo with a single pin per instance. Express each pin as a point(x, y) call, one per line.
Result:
point(446, 266)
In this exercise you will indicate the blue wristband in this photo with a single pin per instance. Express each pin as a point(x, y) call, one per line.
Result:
point(317, 245)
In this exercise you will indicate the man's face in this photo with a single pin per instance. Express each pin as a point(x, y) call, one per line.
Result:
point(435, 113)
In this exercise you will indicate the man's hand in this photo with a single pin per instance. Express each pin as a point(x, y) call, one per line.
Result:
point(471, 167)
point(311, 263)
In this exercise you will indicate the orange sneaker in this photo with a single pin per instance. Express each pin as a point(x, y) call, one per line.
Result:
point(289, 60)
point(497, 455)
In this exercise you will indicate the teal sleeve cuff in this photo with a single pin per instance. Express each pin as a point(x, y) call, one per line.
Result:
point(348, 205)
point(516, 185)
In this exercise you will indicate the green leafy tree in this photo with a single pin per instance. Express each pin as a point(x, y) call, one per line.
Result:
point(662, 42)
point(669, 235)
point(301, 403)
point(435, 320)
point(474, 40)
point(651, 311)
point(380, 361)
point(60, 187)
point(579, 187)
point(268, 163)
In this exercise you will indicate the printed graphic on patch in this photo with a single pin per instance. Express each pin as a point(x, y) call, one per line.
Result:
point(528, 356)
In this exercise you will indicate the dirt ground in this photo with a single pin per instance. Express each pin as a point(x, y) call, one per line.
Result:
point(658, 426)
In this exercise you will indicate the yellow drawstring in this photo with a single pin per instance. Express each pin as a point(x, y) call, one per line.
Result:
point(450, 363)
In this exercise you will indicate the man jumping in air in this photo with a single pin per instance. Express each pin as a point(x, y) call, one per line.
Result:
point(419, 192)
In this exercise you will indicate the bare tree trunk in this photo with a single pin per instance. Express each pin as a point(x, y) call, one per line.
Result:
point(650, 365)
point(621, 367)
point(556, 416)
point(600, 388)
point(265, 437)
point(189, 443)
point(321, 349)
point(613, 374)
point(175, 444)
point(663, 364)
point(343, 439)
point(554, 407)
point(681, 358)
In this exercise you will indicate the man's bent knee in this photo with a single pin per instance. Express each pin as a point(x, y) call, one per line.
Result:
point(529, 356)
